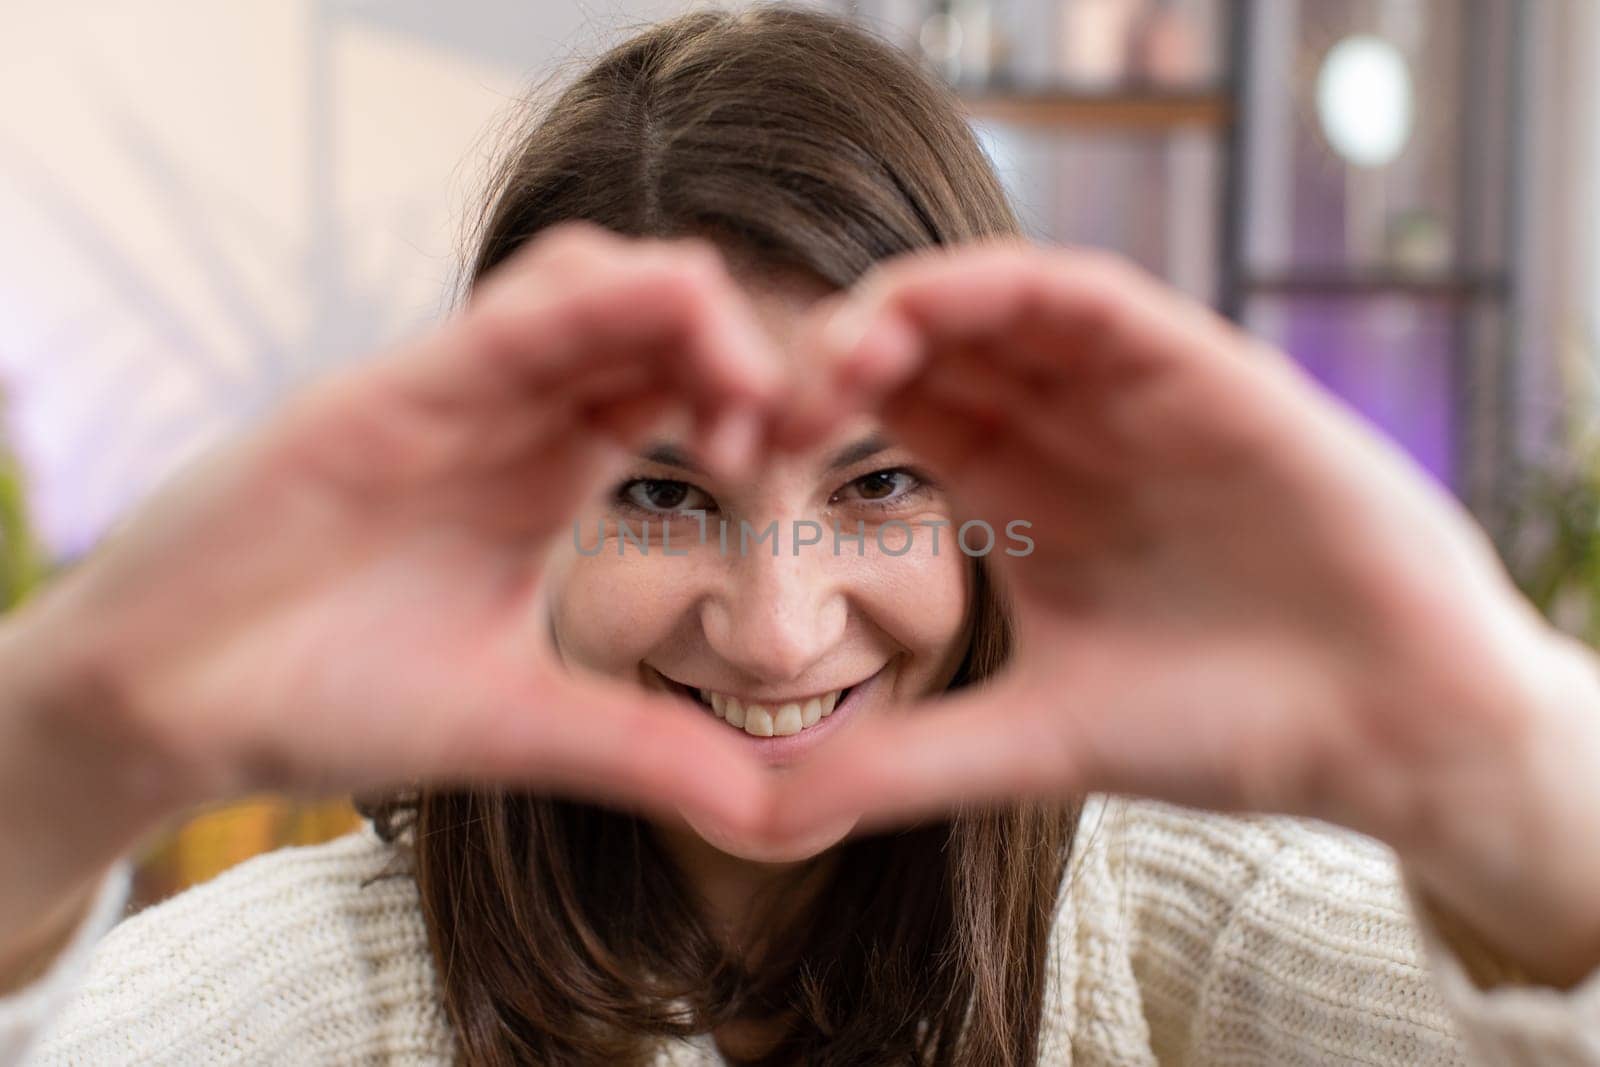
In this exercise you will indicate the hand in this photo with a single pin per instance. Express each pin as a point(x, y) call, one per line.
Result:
point(1239, 598)
point(350, 596)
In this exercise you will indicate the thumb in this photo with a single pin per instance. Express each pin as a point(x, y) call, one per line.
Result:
point(609, 741)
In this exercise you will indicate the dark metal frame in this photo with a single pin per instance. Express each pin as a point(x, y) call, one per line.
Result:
point(1486, 458)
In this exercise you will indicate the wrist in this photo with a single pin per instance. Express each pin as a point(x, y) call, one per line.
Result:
point(78, 786)
point(27, 954)
point(1510, 848)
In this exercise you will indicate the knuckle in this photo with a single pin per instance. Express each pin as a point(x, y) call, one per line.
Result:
point(699, 255)
point(692, 283)
point(882, 283)
point(573, 242)
point(563, 250)
point(1101, 287)
point(1098, 260)
point(491, 328)
point(576, 232)
point(698, 275)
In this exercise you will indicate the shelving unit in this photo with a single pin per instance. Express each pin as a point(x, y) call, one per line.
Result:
point(1460, 307)
point(1141, 120)
point(1358, 284)
point(1443, 332)
point(1094, 111)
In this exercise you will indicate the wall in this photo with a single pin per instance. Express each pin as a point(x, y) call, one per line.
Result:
point(206, 202)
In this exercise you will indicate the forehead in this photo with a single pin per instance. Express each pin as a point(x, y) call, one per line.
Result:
point(781, 299)
point(781, 303)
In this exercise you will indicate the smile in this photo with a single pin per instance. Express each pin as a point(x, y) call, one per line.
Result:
point(768, 717)
point(771, 719)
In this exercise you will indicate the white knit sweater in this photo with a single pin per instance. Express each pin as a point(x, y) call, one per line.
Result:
point(1183, 938)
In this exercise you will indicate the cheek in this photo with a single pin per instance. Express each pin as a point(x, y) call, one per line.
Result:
point(610, 612)
point(921, 597)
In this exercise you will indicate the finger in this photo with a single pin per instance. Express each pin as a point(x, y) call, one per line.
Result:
point(675, 309)
point(608, 741)
point(445, 406)
point(974, 425)
point(1071, 300)
point(865, 344)
point(670, 303)
point(855, 361)
point(1071, 313)
point(630, 402)
point(1100, 367)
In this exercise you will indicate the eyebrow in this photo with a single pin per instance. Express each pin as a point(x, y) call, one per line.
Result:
point(857, 451)
point(669, 455)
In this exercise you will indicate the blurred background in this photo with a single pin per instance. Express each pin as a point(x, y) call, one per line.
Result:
point(207, 204)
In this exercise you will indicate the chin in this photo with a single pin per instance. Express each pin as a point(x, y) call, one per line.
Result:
point(757, 849)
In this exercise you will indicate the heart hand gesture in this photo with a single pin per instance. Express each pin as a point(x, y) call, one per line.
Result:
point(350, 596)
point(1237, 597)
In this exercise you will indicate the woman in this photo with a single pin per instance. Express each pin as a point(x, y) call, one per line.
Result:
point(623, 747)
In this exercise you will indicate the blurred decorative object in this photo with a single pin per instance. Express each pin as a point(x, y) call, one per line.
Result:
point(1094, 42)
point(1089, 157)
point(208, 843)
point(940, 41)
point(1006, 24)
point(957, 37)
point(1364, 100)
point(1418, 242)
point(1165, 49)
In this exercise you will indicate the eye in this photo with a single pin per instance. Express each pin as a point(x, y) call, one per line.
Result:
point(888, 486)
point(663, 496)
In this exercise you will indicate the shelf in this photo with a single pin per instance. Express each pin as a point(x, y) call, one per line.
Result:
point(1454, 288)
point(1133, 110)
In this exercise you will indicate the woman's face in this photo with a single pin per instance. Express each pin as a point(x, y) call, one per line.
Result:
point(741, 599)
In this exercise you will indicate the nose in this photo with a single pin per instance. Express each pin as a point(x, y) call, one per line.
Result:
point(776, 616)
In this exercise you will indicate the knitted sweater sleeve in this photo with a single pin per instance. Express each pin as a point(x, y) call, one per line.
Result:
point(1271, 940)
point(311, 954)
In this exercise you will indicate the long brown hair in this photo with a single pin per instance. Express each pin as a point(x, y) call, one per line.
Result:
point(561, 931)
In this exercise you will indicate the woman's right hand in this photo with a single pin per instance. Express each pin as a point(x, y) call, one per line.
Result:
point(349, 596)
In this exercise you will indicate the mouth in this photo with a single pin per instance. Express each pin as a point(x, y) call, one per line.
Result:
point(766, 717)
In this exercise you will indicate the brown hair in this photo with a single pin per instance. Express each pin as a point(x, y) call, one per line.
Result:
point(561, 932)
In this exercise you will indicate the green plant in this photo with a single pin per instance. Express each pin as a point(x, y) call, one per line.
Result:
point(23, 563)
point(1551, 542)
point(1550, 534)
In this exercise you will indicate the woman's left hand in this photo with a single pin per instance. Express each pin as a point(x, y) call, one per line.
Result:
point(1238, 596)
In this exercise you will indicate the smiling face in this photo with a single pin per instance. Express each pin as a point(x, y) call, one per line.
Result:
point(756, 612)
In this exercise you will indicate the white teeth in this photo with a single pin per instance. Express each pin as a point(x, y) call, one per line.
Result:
point(758, 721)
point(763, 720)
point(787, 721)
